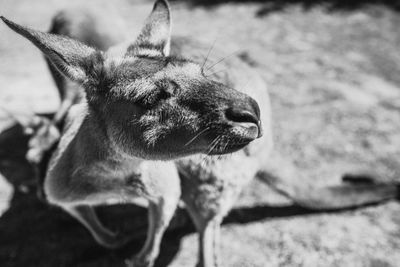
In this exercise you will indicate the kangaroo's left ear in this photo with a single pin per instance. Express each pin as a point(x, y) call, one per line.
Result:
point(69, 56)
point(155, 37)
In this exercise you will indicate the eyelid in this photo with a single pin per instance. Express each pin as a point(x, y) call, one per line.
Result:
point(164, 94)
point(175, 85)
point(169, 86)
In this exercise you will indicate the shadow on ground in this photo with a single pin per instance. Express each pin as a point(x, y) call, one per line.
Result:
point(32, 232)
point(278, 5)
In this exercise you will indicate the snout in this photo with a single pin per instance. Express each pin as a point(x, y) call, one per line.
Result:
point(245, 116)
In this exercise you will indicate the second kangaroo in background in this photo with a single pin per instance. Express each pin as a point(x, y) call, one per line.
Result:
point(146, 100)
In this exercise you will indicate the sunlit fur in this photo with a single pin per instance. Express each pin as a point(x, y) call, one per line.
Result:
point(123, 113)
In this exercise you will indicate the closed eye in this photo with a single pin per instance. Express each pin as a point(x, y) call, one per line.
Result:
point(174, 86)
point(163, 90)
point(163, 94)
point(167, 88)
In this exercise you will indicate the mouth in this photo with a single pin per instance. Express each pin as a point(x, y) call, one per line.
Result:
point(249, 130)
point(236, 137)
point(229, 148)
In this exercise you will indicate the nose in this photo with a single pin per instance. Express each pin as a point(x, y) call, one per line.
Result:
point(246, 113)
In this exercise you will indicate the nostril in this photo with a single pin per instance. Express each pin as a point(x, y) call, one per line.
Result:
point(237, 115)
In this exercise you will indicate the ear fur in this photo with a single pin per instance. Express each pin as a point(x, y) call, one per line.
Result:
point(155, 37)
point(69, 56)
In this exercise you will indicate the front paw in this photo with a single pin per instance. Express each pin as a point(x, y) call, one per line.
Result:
point(44, 134)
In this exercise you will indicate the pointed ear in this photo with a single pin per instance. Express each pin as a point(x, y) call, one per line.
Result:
point(69, 56)
point(155, 37)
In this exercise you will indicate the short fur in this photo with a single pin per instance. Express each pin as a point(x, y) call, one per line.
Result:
point(154, 102)
point(137, 111)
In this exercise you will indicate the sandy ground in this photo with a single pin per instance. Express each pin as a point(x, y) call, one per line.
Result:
point(334, 84)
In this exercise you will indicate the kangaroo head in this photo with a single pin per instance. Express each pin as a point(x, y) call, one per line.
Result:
point(151, 104)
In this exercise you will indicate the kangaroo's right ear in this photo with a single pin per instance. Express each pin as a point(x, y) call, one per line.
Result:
point(155, 36)
point(69, 56)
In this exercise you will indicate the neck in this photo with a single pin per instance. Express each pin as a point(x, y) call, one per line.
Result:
point(97, 146)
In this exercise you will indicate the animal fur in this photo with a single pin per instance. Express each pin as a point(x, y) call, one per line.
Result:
point(141, 80)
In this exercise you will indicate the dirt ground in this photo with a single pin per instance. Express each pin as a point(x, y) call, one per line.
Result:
point(333, 76)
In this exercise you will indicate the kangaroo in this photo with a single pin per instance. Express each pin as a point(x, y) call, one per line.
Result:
point(122, 113)
point(140, 110)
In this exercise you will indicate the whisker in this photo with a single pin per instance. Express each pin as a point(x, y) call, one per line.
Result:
point(213, 73)
point(214, 145)
point(224, 145)
point(224, 58)
point(204, 161)
point(197, 135)
point(208, 53)
point(228, 140)
point(212, 142)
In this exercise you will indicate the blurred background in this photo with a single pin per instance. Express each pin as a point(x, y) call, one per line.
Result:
point(333, 71)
